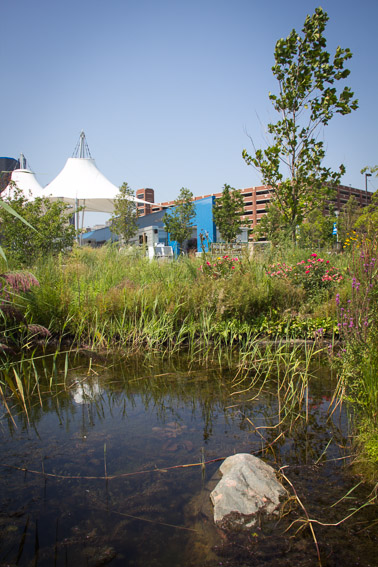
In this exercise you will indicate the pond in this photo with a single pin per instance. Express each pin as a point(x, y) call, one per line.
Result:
point(115, 470)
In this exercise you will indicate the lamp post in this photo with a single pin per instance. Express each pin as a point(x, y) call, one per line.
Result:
point(366, 191)
point(336, 229)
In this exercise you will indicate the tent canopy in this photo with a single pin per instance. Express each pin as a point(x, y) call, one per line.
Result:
point(27, 182)
point(80, 182)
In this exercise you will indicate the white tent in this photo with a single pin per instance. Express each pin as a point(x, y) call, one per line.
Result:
point(25, 180)
point(80, 183)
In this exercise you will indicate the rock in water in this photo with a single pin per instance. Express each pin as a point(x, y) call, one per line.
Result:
point(248, 487)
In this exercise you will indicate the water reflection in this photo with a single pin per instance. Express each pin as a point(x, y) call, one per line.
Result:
point(109, 470)
point(84, 392)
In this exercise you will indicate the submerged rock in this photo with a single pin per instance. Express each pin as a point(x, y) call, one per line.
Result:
point(248, 488)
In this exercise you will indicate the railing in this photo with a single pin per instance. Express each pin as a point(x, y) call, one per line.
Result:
point(230, 249)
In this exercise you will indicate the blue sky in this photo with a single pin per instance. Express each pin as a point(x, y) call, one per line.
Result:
point(166, 90)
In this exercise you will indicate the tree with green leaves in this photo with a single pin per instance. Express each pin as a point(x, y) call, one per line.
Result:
point(306, 101)
point(8, 209)
point(227, 212)
point(125, 216)
point(367, 222)
point(41, 227)
point(317, 229)
point(179, 221)
point(348, 217)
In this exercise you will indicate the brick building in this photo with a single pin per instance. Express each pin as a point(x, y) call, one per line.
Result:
point(255, 201)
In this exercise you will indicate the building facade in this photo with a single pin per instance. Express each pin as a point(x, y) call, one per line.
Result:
point(256, 200)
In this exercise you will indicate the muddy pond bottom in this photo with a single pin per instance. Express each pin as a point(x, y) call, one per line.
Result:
point(116, 470)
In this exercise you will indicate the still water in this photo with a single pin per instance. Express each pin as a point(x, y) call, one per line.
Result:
point(110, 472)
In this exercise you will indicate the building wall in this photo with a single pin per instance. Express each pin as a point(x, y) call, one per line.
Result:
point(257, 198)
point(146, 195)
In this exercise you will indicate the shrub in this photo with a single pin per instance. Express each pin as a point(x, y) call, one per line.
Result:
point(313, 274)
point(221, 267)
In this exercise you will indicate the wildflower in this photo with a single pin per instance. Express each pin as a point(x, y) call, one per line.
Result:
point(307, 271)
point(337, 299)
point(232, 267)
point(314, 255)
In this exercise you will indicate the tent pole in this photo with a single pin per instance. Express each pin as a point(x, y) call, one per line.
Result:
point(77, 219)
point(82, 224)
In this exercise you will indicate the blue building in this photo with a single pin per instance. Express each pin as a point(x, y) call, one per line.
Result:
point(151, 230)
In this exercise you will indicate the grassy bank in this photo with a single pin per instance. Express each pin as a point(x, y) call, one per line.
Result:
point(105, 299)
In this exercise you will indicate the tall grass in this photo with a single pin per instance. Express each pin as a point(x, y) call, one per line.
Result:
point(106, 299)
point(103, 298)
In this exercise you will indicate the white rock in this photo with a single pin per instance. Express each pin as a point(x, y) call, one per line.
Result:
point(248, 487)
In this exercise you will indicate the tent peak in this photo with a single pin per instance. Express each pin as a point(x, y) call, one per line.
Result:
point(81, 150)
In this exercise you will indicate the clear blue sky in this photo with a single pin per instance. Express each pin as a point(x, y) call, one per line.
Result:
point(166, 90)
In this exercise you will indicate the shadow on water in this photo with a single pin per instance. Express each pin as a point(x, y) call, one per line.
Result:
point(110, 470)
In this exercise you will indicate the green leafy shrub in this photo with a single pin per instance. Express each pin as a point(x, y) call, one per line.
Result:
point(221, 267)
point(313, 274)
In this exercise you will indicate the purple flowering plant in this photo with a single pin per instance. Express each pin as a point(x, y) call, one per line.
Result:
point(356, 316)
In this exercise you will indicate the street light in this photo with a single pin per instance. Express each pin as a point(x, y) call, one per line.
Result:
point(366, 191)
point(336, 229)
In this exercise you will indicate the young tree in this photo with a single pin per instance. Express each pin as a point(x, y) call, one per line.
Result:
point(227, 213)
point(43, 229)
point(272, 227)
point(124, 218)
point(307, 100)
point(317, 229)
point(348, 218)
point(179, 221)
point(367, 222)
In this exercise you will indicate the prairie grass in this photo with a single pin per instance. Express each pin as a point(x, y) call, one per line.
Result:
point(104, 297)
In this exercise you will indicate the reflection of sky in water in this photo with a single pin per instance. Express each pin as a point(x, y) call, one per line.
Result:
point(82, 392)
point(120, 426)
